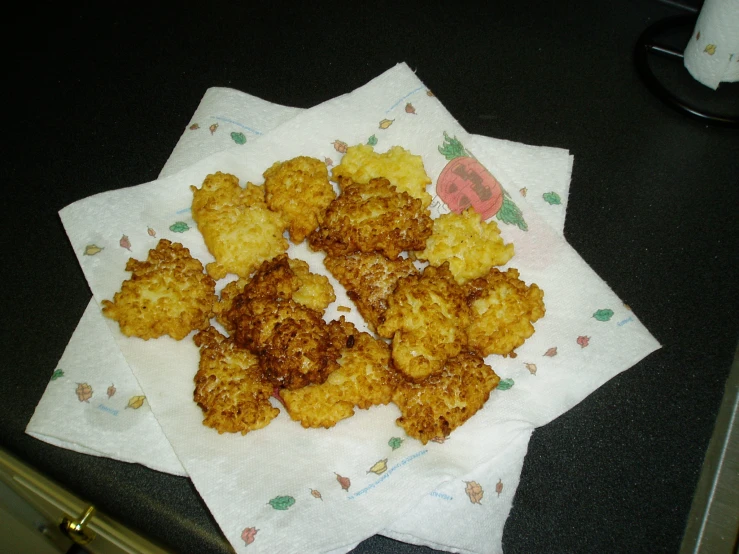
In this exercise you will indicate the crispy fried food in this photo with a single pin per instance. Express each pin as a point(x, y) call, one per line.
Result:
point(404, 170)
point(238, 228)
point(229, 387)
point(168, 294)
point(315, 290)
point(470, 245)
point(372, 217)
point(364, 378)
point(503, 309)
point(295, 345)
point(426, 319)
point(299, 189)
point(369, 279)
point(436, 406)
point(282, 277)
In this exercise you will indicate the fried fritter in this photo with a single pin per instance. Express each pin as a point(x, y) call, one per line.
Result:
point(229, 387)
point(238, 228)
point(299, 189)
point(168, 294)
point(281, 277)
point(503, 309)
point(364, 378)
point(295, 346)
point(372, 217)
point(369, 279)
point(426, 319)
point(470, 245)
point(436, 406)
point(404, 170)
point(315, 291)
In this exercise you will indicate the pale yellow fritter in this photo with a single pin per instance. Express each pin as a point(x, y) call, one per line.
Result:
point(470, 245)
point(168, 294)
point(364, 378)
point(426, 319)
point(372, 217)
point(404, 170)
point(502, 312)
point(238, 227)
point(315, 290)
point(299, 189)
point(436, 406)
point(369, 279)
point(229, 386)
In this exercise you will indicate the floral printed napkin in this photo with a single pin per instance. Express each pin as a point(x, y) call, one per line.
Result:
point(712, 54)
point(279, 489)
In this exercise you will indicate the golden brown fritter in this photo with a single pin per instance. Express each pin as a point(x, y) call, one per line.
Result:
point(307, 288)
point(294, 344)
point(238, 228)
point(426, 319)
point(168, 294)
point(503, 309)
point(404, 170)
point(470, 245)
point(436, 406)
point(229, 387)
point(280, 277)
point(364, 378)
point(369, 279)
point(299, 189)
point(372, 217)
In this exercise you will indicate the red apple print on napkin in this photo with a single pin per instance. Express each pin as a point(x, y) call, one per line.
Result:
point(583, 341)
point(551, 352)
point(465, 182)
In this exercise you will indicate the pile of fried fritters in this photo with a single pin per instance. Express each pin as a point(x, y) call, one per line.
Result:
point(435, 303)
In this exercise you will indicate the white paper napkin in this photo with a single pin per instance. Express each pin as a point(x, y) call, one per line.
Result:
point(620, 340)
point(222, 119)
point(712, 54)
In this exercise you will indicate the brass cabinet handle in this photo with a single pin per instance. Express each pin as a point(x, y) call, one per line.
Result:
point(77, 530)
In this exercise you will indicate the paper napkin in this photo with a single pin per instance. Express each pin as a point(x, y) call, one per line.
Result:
point(256, 485)
point(712, 54)
point(223, 119)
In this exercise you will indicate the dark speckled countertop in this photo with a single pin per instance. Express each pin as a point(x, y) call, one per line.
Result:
point(99, 99)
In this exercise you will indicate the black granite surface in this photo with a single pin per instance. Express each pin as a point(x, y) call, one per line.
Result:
point(96, 100)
